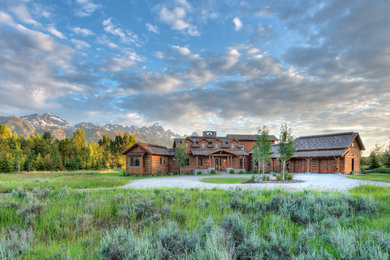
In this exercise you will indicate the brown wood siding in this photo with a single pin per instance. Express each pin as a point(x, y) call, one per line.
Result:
point(352, 153)
point(158, 165)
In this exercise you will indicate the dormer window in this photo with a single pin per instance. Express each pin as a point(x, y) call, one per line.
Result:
point(203, 145)
point(233, 146)
point(187, 145)
point(217, 145)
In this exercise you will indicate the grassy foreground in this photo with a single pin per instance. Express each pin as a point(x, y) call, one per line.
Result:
point(225, 180)
point(372, 177)
point(195, 224)
point(74, 180)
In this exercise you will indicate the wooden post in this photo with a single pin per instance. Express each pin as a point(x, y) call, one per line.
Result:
point(338, 164)
point(197, 166)
point(141, 162)
point(308, 164)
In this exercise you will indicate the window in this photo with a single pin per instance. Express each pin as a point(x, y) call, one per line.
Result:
point(201, 161)
point(203, 145)
point(134, 161)
point(187, 145)
point(243, 147)
point(187, 162)
point(217, 145)
point(165, 161)
point(233, 146)
point(160, 160)
point(241, 163)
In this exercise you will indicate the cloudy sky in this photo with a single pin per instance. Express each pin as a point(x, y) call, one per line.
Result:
point(192, 65)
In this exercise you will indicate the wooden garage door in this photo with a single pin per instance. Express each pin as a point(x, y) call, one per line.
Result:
point(314, 165)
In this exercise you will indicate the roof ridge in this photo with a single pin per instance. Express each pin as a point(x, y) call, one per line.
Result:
point(324, 135)
point(154, 145)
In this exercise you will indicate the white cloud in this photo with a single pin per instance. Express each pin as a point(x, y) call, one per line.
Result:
point(125, 36)
point(177, 18)
point(152, 28)
point(237, 23)
point(82, 31)
point(23, 14)
point(80, 44)
point(182, 50)
point(86, 7)
point(51, 29)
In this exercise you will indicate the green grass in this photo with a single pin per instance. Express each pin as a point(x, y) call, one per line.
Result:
point(74, 180)
point(225, 180)
point(372, 177)
point(71, 224)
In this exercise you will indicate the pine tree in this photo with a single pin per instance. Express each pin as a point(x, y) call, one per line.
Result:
point(374, 161)
point(387, 162)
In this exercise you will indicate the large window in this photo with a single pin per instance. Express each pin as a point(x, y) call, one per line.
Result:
point(187, 162)
point(201, 161)
point(233, 146)
point(134, 161)
point(217, 145)
point(241, 163)
point(203, 145)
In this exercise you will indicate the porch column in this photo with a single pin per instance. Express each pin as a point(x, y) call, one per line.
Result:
point(243, 162)
point(308, 164)
point(338, 164)
point(141, 162)
point(210, 161)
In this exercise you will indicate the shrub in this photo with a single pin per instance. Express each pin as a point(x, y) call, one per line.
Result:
point(180, 216)
point(235, 227)
point(265, 178)
point(189, 173)
point(242, 172)
point(83, 223)
point(175, 173)
point(279, 177)
point(137, 175)
point(344, 242)
point(199, 173)
point(213, 171)
point(143, 208)
point(166, 210)
point(253, 177)
point(363, 171)
point(14, 243)
point(288, 176)
point(122, 244)
point(232, 171)
point(351, 172)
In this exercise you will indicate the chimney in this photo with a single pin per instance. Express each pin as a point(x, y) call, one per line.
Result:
point(209, 133)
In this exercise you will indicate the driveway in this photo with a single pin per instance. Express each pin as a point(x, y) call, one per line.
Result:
point(327, 182)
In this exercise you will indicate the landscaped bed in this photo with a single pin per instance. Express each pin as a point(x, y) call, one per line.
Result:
point(225, 180)
point(195, 224)
point(271, 181)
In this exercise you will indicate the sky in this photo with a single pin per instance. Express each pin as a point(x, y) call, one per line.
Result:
point(230, 66)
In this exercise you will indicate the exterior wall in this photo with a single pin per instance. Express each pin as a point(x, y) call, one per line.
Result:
point(352, 154)
point(157, 166)
point(133, 169)
point(248, 145)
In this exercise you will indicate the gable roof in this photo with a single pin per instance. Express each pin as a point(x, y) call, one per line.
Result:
point(328, 141)
point(152, 149)
point(322, 145)
point(249, 137)
point(211, 151)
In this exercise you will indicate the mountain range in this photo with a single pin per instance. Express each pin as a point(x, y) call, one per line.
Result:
point(60, 129)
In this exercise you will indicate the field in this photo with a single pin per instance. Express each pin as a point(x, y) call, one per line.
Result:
point(195, 224)
point(74, 180)
point(372, 177)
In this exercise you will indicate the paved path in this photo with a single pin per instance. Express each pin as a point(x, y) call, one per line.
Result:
point(328, 182)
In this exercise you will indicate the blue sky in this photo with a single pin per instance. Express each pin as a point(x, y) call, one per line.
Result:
point(192, 65)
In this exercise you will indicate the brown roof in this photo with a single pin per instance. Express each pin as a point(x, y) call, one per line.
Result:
point(152, 149)
point(249, 137)
point(322, 145)
point(210, 151)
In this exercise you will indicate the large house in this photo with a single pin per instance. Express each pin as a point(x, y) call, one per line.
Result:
point(333, 153)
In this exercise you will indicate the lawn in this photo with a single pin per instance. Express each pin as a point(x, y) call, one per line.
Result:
point(225, 180)
point(74, 180)
point(195, 224)
point(372, 177)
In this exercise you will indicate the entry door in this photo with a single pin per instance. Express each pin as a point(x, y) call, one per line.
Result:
point(218, 164)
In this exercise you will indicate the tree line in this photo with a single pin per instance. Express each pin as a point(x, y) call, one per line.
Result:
point(379, 156)
point(46, 153)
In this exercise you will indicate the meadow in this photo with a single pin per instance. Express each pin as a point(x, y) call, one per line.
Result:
point(385, 177)
point(195, 224)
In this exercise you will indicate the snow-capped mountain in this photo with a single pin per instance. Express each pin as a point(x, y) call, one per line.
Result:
point(60, 128)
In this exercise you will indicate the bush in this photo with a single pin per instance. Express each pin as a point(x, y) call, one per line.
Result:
point(175, 173)
point(122, 244)
point(137, 175)
point(188, 173)
point(253, 177)
point(265, 178)
point(351, 172)
point(213, 171)
point(279, 177)
point(199, 173)
point(14, 243)
point(288, 176)
point(379, 170)
point(242, 172)
point(232, 171)
point(234, 227)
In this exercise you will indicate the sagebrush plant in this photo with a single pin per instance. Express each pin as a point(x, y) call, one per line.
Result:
point(196, 224)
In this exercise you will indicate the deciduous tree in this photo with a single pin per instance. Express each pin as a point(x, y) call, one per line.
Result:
point(286, 145)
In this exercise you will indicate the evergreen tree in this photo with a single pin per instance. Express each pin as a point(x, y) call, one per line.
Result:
point(56, 158)
point(374, 157)
point(387, 161)
point(286, 146)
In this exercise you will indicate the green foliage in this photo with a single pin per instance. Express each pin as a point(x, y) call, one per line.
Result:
point(199, 173)
point(387, 159)
point(286, 145)
point(374, 157)
point(181, 155)
point(213, 171)
point(262, 148)
point(279, 177)
point(241, 172)
point(45, 153)
point(231, 171)
point(379, 170)
point(288, 176)
point(265, 178)
point(173, 224)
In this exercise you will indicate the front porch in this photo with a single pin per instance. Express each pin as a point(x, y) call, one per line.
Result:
point(220, 160)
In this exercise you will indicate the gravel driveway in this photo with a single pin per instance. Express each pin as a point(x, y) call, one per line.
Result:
point(328, 182)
